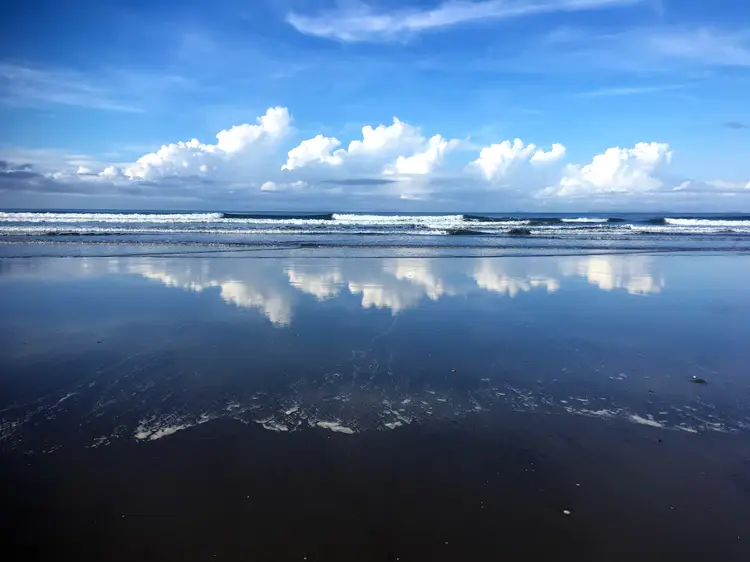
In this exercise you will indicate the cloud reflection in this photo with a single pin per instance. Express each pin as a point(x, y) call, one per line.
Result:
point(490, 274)
point(395, 284)
point(241, 284)
point(631, 273)
point(323, 285)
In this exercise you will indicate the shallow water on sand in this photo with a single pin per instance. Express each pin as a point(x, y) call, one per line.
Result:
point(370, 396)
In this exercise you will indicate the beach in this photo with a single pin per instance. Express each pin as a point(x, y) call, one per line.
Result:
point(375, 281)
point(475, 400)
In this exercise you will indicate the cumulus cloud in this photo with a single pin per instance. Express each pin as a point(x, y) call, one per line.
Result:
point(496, 160)
point(424, 162)
point(542, 157)
point(395, 149)
point(617, 170)
point(276, 186)
point(377, 145)
point(389, 167)
point(357, 21)
point(236, 148)
point(318, 149)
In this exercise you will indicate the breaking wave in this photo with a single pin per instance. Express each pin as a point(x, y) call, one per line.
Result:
point(166, 226)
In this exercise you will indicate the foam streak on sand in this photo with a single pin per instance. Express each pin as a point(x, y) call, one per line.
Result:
point(142, 434)
point(360, 412)
point(335, 426)
point(646, 421)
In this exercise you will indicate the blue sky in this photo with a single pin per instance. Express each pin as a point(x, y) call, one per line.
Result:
point(646, 100)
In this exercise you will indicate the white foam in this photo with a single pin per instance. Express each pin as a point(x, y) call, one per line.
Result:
point(370, 223)
point(100, 442)
point(152, 429)
point(645, 421)
point(733, 226)
point(39, 223)
point(64, 398)
point(272, 425)
point(686, 429)
point(707, 222)
point(152, 435)
point(125, 230)
point(109, 217)
point(603, 413)
point(335, 426)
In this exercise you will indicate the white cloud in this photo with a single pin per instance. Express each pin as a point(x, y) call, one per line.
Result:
point(357, 21)
point(496, 160)
point(318, 149)
point(272, 186)
point(236, 148)
point(424, 162)
point(111, 173)
point(542, 157)
point(398, 148)
point(386, 139)
point(618, 170)
point(383, 169)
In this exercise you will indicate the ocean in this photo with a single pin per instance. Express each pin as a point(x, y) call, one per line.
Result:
point(477, 230)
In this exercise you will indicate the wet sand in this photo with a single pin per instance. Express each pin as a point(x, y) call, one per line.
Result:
point(491, 487)
point(214, 408)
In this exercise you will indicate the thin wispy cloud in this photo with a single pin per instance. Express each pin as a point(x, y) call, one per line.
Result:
point(360, 22)
point(638, 50)
point(630, 91)
point(23, 86)
point(705, 46)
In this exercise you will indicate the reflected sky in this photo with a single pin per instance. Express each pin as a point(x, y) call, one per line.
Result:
point(143, 347)
point(395, 284)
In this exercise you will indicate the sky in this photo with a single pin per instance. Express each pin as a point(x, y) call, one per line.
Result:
point(383, 105)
